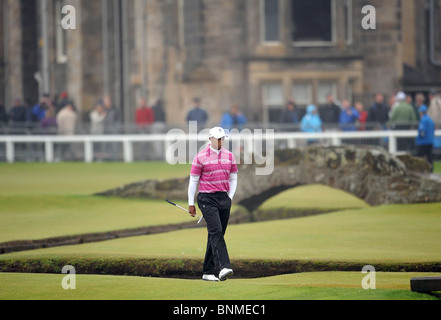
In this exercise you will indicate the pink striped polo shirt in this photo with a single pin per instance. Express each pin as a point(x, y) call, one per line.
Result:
point(214, 170)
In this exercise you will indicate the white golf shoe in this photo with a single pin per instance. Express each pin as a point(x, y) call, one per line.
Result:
point(209, 277)
point(225, 274)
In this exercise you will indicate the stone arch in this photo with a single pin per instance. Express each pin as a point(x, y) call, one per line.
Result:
point(255, 201)
point(368, 173)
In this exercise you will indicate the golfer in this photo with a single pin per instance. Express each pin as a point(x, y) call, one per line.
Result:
point(215, 170)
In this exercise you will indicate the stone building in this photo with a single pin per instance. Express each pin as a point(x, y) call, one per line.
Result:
point(256, 53)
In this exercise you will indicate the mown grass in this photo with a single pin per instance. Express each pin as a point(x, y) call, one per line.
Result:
point(45, 216)
point(40, 200)
point(305, 286)
point(313, 197)
point(33, 208)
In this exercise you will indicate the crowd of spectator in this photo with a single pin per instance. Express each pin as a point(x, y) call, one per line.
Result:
point(48, 114)
point(400, 112)
point(60, 116)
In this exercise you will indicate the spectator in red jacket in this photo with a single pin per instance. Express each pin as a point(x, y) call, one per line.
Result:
point(363, 116)
point(144, 115)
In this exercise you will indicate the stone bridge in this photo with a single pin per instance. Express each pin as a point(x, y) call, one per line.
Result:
point(368, 173)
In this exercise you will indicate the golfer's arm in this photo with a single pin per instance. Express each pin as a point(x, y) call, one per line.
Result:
point(233, 185)
point(192, 186)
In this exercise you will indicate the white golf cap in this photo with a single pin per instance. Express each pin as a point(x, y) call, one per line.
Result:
point(217, 133)
point(401, 96)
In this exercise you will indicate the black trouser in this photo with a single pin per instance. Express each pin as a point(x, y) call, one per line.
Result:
point(425, 151)
point(216, 210)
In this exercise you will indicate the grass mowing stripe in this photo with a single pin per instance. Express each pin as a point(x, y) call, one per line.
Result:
point(80, 178)
point(390, 234)
point(41, 217)
point(34, 217)
point(321, 286)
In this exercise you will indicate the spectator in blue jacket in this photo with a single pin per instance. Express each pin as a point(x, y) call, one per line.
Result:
point(348, 117)
point(233, 119)
point(290, 114)
point(426, 136)
point(311, 122)
point(197, 114)
point(39, 110)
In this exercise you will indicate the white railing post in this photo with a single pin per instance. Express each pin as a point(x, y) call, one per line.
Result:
point(336, 141)
point(10, 151)
point(291, 143)
point(88, 151)
point(392, 143)
point(128, 151)
point(49, 151)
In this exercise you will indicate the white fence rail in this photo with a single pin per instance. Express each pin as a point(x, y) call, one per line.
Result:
point(289, 140)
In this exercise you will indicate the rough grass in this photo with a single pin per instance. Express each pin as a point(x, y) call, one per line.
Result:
point(191, 268)
point(437, 167)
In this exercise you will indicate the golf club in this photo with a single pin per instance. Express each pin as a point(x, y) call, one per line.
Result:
point(200, 218)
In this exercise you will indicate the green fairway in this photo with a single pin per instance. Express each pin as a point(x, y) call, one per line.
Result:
point(41, 217)
point(80, 178)
point(388, 234)
point(304, 286)
point(33, 208)
point(313, 197)
point(39, 201)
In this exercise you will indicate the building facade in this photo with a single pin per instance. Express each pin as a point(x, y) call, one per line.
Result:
point(256, 53)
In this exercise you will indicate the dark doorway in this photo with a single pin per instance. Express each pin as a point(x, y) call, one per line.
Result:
point(29, 50)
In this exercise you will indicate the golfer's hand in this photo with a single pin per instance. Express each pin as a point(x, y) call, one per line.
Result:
point(192, 211)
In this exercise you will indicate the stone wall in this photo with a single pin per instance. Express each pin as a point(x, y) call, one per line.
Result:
point(382, 48)
point(176, 50)
point(13, 35)
point(2, 57)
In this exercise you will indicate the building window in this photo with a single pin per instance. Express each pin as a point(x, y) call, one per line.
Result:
point(273, 101)
point(348, 21)
point(60, 34)
point(324, 89)
point(302, 93)
point(313, 22)
point(350, 90)
point(270, 13)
